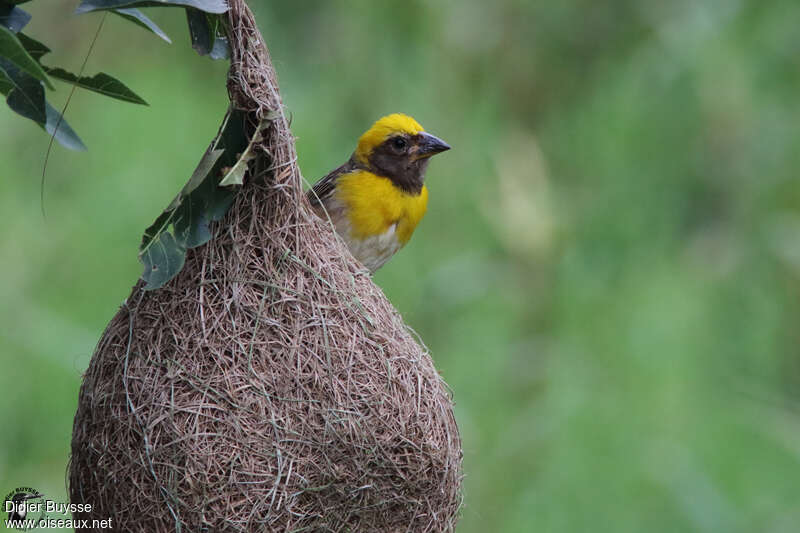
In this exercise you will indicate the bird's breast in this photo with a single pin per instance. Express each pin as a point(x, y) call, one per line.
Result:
point(374, 207)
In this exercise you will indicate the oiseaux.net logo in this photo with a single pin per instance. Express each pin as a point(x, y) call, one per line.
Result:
point(26, 508)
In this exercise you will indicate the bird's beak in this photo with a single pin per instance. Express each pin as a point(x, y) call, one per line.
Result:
point(430, 145)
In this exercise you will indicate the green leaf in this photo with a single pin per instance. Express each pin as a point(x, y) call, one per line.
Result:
point(28, 100)
point(24, 93)
point(209, 6)
point(204, 31)
point(162, 259)
point(34, 47)
point(221, 49)
point(235, 175)
point(155, 229)
point(100, 83)
point(218, 204)
point(5, 84)
point(204, 167)
point(12, 49)
point(192, 227)
point(13, 17)
point(139, 18)
point(201, 201)
point(199, 31)
point(65, 135)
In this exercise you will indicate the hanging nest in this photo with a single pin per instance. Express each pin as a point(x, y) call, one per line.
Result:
point(270, 386)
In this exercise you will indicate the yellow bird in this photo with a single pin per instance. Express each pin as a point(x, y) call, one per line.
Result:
point(378, 197)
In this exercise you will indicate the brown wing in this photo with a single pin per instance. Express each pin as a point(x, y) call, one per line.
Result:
point(324, 188)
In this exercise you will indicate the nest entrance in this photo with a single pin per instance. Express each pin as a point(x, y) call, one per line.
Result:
point(270, 386)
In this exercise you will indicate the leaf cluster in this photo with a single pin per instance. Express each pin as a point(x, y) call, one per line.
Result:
point(205, 198)
point(24, 79)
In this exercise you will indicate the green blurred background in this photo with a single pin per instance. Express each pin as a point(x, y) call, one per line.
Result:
point(608, 276)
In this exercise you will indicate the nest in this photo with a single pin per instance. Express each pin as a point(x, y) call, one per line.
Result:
point(270, 386)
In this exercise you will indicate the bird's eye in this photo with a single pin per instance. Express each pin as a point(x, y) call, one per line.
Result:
point(399, 143)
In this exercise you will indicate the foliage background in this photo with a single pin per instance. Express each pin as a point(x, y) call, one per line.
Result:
point(608, 275)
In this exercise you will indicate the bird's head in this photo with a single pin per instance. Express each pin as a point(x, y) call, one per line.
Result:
point(398, 148)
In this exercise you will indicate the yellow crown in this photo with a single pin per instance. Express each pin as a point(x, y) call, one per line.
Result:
point(382, 129)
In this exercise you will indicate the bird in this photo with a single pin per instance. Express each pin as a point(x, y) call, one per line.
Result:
point(17, 512)
point(376, 199)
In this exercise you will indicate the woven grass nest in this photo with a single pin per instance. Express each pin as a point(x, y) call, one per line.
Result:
point(270, 386)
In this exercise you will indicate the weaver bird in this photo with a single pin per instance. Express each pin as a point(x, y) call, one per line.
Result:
point(378, 197)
